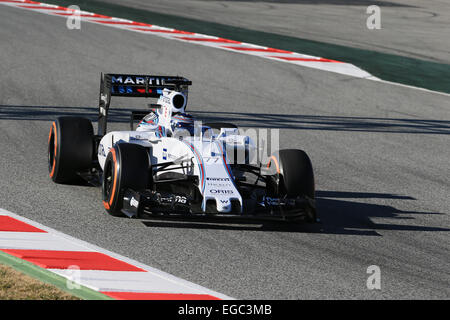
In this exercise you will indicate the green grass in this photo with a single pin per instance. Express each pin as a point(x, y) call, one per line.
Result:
point(38, 283)
point(15, 285)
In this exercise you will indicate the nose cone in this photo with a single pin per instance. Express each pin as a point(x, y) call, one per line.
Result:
point(223, 205)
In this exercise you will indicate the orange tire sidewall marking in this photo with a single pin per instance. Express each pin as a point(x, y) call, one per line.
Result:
point(53, 128)
point(276, 163)
point(108, 204)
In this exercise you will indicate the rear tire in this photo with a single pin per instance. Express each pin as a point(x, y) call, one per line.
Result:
point(127, 167)
point(70, 148)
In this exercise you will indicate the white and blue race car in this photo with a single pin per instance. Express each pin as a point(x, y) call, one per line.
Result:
point(171, 165)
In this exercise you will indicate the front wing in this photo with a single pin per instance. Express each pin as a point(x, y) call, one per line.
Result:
point(162, 204)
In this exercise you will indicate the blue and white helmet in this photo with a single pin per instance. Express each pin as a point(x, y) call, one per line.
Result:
point(149, 122)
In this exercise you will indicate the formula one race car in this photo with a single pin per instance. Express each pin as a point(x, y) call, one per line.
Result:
point(171, 165)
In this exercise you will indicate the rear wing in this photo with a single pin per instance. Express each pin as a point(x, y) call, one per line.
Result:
point(138, 86)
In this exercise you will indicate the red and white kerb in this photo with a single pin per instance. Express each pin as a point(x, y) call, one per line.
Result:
point(101, 270)
point(197, 38)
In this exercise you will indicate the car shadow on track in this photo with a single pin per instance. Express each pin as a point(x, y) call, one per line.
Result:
point(327, 122)
point(337, 216)
point(340, 212)
point(50, 113)
point(334, 2)
point(246, 120)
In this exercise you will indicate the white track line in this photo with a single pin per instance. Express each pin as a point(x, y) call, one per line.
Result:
point(36, 241)
point(100, 280)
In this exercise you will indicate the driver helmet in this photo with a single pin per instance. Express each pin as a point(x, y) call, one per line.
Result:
point(149, 122)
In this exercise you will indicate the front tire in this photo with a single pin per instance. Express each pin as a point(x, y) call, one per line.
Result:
point(70, 148)
point(294, 173)
point(127, 167)
point(292, 176)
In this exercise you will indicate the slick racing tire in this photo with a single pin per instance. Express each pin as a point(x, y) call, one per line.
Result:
point(292, 176)
point(293, 173)
point(70, 148)
point(126, 167)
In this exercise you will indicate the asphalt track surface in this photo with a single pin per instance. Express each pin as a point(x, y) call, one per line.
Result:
point(380, 153)
point(411, 28)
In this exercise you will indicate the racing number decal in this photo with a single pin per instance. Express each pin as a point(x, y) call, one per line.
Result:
point(211, 159)
point(180, 199)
